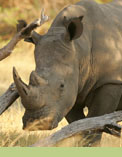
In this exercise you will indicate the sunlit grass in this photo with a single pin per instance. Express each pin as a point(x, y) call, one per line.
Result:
point(11, 133)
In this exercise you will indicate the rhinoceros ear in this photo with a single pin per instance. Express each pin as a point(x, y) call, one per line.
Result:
point(74, 27)
point(35, 37)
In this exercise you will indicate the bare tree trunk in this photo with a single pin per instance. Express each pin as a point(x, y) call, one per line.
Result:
point(106, 123)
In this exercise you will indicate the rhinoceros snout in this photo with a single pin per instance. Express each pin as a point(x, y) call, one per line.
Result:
point(39, 124)
point(33, 123)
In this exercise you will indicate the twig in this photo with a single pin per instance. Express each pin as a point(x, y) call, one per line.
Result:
point(24, 31)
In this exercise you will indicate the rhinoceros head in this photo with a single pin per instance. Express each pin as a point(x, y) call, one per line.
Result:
point(53, 86)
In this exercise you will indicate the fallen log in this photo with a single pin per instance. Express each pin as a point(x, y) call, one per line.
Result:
point(106, 123)
point(8, 98)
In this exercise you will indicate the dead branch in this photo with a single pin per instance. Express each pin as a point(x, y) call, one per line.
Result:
point(23, 31)
point(8, 98)
point(106, 123)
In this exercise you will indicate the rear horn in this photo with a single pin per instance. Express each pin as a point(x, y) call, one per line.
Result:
point(35, 79)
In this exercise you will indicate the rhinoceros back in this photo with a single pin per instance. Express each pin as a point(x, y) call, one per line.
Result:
point(106, 21)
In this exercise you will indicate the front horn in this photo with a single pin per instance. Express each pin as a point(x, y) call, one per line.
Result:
point(22, 88)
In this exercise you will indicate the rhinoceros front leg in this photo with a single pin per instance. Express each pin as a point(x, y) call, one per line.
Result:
point(106, 100)
point(76, 113)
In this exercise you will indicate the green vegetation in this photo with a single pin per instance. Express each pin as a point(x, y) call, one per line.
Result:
point(13, 10)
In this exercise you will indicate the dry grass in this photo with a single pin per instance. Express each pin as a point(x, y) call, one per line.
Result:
point(11, 133)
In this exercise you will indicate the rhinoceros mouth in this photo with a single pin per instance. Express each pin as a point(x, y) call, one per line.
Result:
point(33, 121)
point(39, 124)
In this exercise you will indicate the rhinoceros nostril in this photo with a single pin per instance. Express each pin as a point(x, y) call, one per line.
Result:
point(25, 91)
point(62, 86)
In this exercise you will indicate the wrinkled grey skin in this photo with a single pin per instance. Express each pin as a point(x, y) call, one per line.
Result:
point(78, 64)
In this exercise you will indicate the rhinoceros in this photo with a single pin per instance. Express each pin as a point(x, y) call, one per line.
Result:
point(78, 64)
